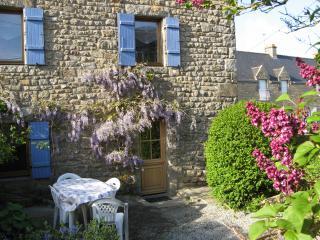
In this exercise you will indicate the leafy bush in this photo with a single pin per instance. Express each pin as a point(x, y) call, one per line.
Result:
point(232, 172)
point(14, 222)
point(100, 231)
point(297, 217)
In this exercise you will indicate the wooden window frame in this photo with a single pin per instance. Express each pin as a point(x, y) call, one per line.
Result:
point(17, 11)
point(159, 62)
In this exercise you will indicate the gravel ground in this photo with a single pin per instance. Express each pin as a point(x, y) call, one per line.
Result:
point(192, 216)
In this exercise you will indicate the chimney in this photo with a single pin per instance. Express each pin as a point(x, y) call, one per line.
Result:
point(271, 50)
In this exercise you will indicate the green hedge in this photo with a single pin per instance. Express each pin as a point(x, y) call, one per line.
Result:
point(231, 171)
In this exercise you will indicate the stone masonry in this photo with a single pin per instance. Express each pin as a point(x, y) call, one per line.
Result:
point(81, 35)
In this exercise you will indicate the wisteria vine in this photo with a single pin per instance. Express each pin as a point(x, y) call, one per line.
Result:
point(280, 127)
point(138, 105)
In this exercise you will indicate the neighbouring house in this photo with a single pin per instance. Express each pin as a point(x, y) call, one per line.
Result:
point(265, 76)
point(47, 45)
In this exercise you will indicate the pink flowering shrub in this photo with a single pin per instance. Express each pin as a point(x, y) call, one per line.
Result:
point(280, 127)
point(311, 73)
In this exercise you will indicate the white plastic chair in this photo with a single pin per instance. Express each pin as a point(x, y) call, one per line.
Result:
point(68, 176)
point(114, 182)
point(106, 210)
point(58, 211)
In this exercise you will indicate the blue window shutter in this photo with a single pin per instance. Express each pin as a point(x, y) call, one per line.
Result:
point(40, 150)
point(173, 41)
point(126, 39)
point(34, 45)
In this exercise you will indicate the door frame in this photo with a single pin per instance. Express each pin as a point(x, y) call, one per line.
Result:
point(163, 157)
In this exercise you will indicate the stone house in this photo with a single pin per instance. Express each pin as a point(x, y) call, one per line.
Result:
point(265, 76)
point(47, 45)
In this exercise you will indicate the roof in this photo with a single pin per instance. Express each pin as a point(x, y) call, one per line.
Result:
point(248, 60)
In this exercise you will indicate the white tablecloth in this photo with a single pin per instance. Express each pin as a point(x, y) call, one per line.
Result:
point(74, 192)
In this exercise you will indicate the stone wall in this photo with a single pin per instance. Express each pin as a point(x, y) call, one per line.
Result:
point(81, 35)
point(249, 90)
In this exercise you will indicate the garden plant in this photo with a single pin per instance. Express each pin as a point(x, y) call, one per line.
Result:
point(294, 136)
point(230, 168)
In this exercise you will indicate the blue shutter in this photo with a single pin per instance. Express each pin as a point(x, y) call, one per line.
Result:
point(34, 36)
point(126, 40)
point(40, 150)
point(173, 41)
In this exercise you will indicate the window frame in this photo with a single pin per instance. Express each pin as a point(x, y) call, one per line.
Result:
point(159, 62)
point(20, 12)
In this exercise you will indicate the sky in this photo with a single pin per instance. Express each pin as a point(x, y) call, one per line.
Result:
point(255, 30)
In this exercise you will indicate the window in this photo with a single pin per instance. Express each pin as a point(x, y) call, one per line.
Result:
point(150, 143)
point(11, 40)
point(284, 86)
point(148, 41)
point(13, 151)
point(263, 90)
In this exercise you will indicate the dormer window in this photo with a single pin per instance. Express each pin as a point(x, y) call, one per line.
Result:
point(264, 94)
point(284, 86)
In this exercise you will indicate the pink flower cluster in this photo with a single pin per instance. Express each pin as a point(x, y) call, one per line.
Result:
point(280, 128)
point(311, 73)
point(285, 181)
point(196, 3)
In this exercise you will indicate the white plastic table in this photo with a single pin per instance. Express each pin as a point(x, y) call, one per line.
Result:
point(78, 192)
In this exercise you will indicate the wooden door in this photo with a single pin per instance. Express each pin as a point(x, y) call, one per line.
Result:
point(152, 151)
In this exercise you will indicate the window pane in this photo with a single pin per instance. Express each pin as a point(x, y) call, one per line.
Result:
point(156, 149)
point(10, 37)
point(262, 84)
point(146, 41)
point(284, 86)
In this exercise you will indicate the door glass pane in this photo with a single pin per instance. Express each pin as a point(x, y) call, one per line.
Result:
point(156, 149)
point(155, 131)
point(10, 37)
point(146, 41)
point(145, 150)
point(145, 135)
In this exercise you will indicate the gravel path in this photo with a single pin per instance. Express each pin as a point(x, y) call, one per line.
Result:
point(192, 216)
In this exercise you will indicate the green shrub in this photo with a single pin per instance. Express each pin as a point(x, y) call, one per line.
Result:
point(14, 222)
point(232, 172)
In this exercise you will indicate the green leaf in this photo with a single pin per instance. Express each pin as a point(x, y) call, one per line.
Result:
point(313, 153)
point(256, 229)
point(317, 188)
point(313, 118)
point(302, 150)
point(283, 97)
point(284, 224)
point(280, 166)
point(268, 211)
point(302, 236)
point(290, 235)
point(315, 138)
point(302, 104)
point(288, 108)
point(309, 93)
